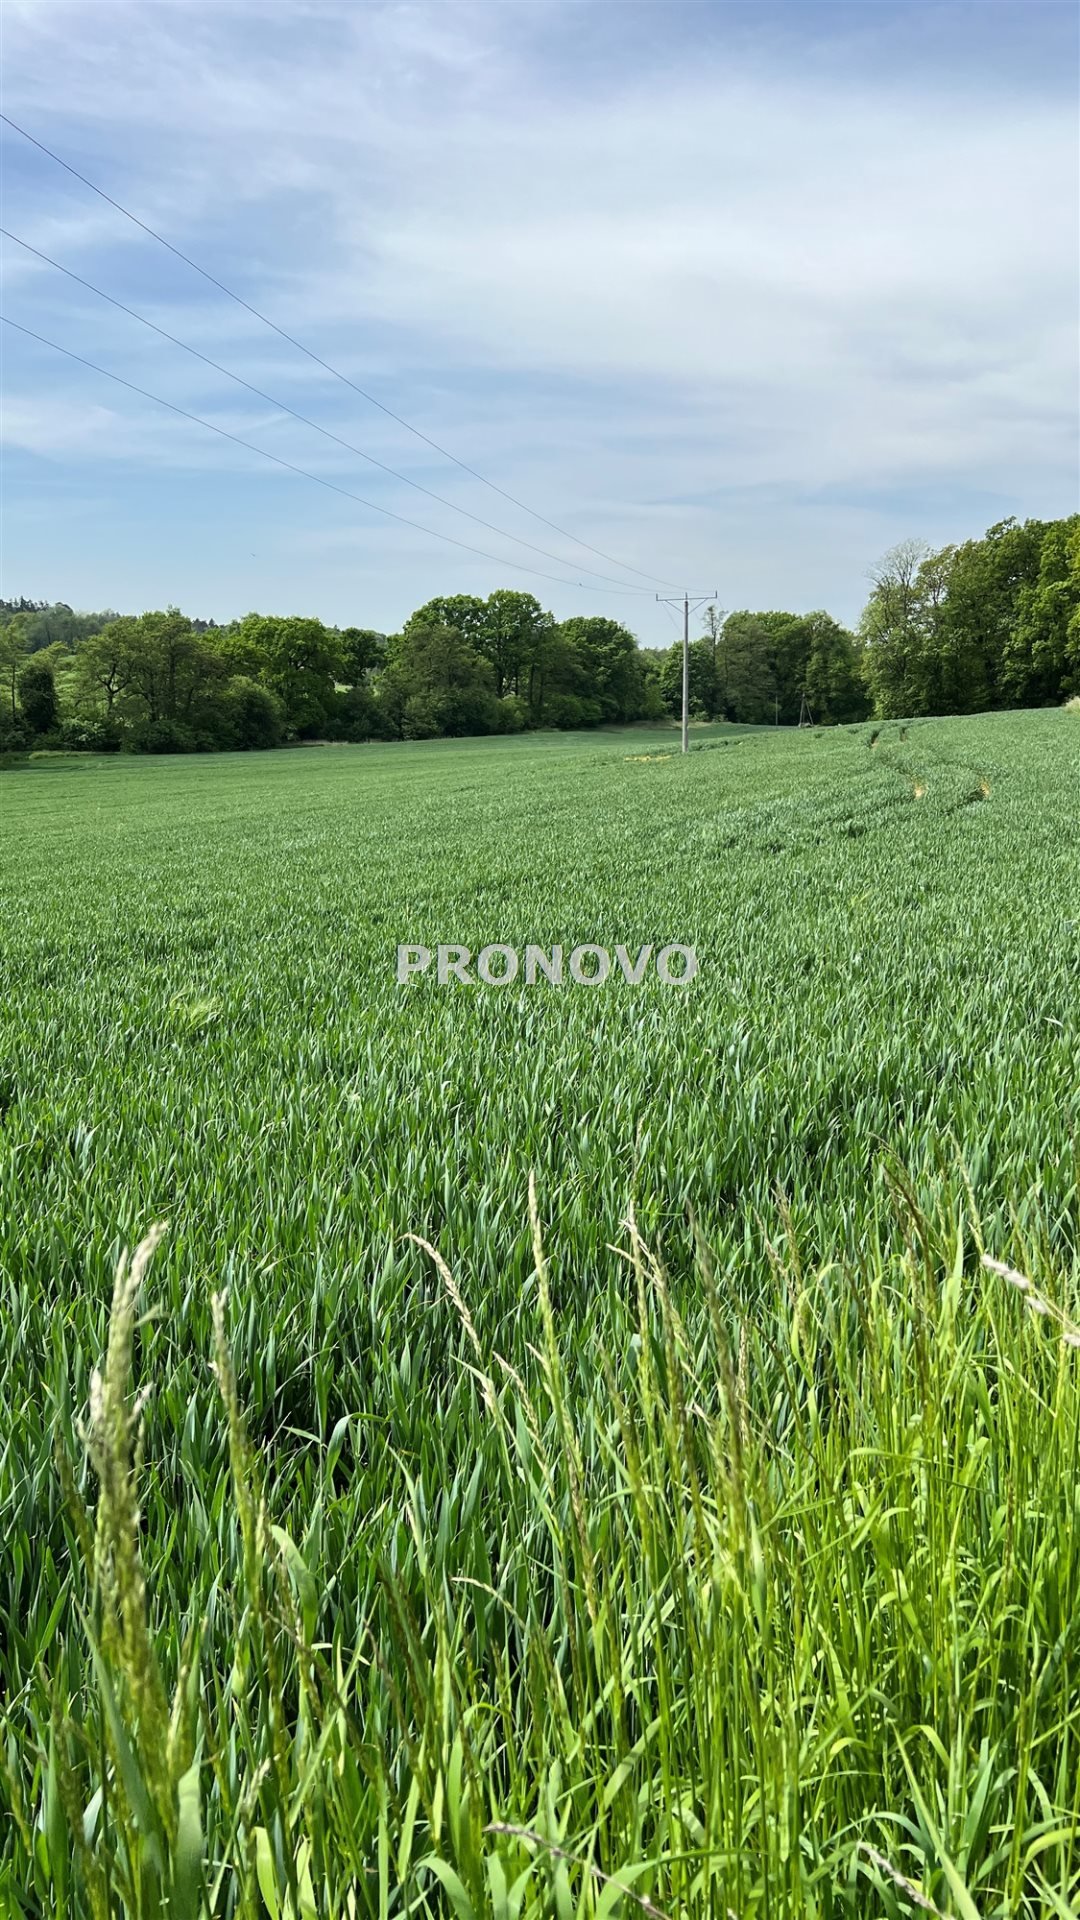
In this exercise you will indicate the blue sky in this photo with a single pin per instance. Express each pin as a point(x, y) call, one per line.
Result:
point(742, 295)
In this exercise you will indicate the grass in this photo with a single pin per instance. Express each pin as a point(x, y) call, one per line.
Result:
point(707, 1543)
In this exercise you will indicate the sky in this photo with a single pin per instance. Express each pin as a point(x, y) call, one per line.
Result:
point(738, 295)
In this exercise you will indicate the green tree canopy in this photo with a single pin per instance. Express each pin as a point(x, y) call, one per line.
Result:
point(299, 660)
point(604, 654)
point(437, 681)
point(992, 622)
point(37, 695)
point(968, 628)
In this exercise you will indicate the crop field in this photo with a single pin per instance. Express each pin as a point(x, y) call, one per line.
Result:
point(700, 1538)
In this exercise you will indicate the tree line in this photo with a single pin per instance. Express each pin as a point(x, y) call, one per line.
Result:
point(992, 623)
point(161, 682)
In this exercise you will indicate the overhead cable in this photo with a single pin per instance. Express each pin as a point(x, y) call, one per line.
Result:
point(445, 452)
point(304, 472)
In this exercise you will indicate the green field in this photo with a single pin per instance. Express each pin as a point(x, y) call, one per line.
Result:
point(732, 1558)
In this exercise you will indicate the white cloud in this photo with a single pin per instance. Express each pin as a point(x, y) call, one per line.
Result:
point(715, 275)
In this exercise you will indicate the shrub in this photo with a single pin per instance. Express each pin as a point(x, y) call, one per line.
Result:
point(512, 715)
point(250, 716)
point(470, 709)
point(353, 716)
point(90, 736)
point(13, 734)
point(421, 717)
point(163, 736)
point(564, 710)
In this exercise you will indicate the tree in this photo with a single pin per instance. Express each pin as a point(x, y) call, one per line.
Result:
point(1073, 562)
point(553, 674)
point(651, 661)
point(705, 658)
point(155, 677)
point(51, 624)
point(703, 688)
point(831, 680)
point(462, 611)
point(892, 632)
point(14, 647)
point(509, 629)
point(103, 665)
point(247, 716)
point(981, 610)
point(512, 637)
point(37, 696)
point(605, 657)
point(436, 681)
point(299, 660)
point(747, 681)
point(1041, 654)
point(162, 652)
point(362, 652)
point(992, 622)
point(973, 627)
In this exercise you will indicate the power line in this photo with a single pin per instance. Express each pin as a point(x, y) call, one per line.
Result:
point(303, 418)
point(564, 532)
point(290, 466)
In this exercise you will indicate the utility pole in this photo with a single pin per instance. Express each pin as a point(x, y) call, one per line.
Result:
point(700, 600)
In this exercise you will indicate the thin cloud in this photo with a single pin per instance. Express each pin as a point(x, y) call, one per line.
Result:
point(697, 306)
